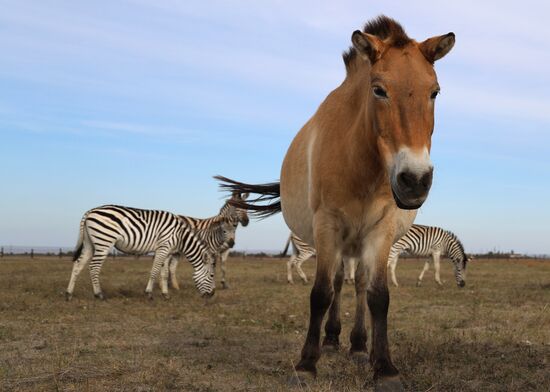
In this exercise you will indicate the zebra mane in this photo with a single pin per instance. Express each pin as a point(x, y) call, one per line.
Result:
point(457, 241)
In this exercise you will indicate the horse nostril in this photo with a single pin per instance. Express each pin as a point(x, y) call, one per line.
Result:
point(426, 180)
point(407, 179)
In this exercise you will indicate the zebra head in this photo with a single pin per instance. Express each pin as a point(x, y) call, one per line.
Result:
point(236, 213)
point(460, 262)
point(226, 230)
point(203, 276)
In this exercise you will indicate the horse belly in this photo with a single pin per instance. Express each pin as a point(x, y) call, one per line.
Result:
point(295, 183)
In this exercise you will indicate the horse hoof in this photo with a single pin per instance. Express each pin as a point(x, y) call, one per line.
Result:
point(290, 282)
point(418, 283)
point(225, 285)
point(149, 296)
point(388, 384)
point(360, 357)
point(305, 282)
point(68, 296)
point(301, 379)
point(330, 344)
point(166, 296)
point(100, 296)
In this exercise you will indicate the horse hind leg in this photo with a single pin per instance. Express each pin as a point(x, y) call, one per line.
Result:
point(333, 326)
point(358, 337)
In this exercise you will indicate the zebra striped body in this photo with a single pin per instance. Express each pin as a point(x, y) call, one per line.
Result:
point(430, 241)
point(302, 251)
point(219, 241)
point(138, 231)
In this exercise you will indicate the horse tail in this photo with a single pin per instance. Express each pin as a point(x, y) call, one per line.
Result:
point(266, 204)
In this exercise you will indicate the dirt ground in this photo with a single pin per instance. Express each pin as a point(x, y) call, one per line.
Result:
point(493, 335)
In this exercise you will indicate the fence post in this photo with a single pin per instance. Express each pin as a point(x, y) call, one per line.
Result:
point(2, 252)
point(60, 253)
point(32, 253)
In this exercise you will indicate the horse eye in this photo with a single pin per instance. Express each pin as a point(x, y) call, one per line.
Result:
point(379, 92)
point(434, 94)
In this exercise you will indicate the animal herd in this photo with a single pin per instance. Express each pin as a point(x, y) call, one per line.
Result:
point(351, 184)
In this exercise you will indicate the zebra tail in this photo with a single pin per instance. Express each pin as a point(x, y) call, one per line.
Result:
point(80, 241)
point(266, 204)
point(285, 250)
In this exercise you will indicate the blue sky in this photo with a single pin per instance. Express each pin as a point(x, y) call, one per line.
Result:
point(140, 102)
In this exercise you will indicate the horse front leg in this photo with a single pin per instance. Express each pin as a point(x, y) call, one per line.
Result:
point(377, 249)
point(322, 293)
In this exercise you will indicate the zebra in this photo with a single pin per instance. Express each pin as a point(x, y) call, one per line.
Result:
point(429, 240)
point(302, 251)
point(219, 246)
point(138, 231)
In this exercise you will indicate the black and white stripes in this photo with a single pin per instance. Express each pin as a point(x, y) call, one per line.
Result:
point(431, 241)
point(302, 251)
point(138, 231)
point(220, 239)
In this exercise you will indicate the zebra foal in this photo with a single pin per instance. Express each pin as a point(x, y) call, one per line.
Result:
point(138, 231)
point(219, 244)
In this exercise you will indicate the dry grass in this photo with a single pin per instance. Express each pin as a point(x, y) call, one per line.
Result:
point(494, 335)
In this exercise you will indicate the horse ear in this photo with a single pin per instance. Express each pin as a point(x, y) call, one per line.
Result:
point(369, 46)
point(436, 47)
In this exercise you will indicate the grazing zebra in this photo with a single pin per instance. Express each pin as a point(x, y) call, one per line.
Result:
point(219, 245)
point(428, 240)
point(138, 231)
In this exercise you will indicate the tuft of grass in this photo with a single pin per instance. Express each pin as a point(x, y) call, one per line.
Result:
point(493, 335)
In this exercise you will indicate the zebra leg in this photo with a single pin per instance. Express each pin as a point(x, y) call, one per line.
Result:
point(352, 266)
point(172, 272)
point(347, 277)
point(393, 265)
point(437, 268)
point(426, 268)
point(358, 336)
point(78, 265)
point(298, 264)
point(161, 255)
point(333, 326)
point(223, 258)
point(289, 265)
point(164, 278)
point(100, 254)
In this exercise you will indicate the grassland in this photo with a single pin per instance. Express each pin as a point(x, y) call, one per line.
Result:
point(493, 335)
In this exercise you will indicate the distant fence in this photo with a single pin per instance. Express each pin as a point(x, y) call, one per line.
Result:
point(68, 252)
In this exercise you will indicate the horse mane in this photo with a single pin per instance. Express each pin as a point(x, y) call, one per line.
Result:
point(385, 28)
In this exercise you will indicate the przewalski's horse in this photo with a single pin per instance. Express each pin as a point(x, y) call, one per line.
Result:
point(352, 180)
